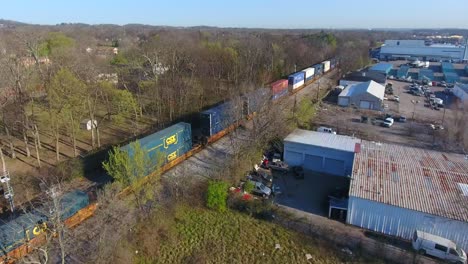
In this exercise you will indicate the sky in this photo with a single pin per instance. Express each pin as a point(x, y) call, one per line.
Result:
point(244, 13)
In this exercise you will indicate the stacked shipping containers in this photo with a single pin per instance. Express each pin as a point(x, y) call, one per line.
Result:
point(326, 66)
point(309, 74)
point(254, 101)
point(296, 80)
point(165, 145)
point(220, 117)
point(279, 89)
point(318, 69)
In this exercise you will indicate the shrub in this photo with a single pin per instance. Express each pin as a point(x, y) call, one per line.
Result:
point(217, 195)
point(248, 187)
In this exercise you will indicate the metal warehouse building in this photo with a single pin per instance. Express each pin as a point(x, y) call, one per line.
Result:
point(397, 49)
point(368, 95)
point(321, 152)
point(383, 68)
point(461, 92)
point(396, 190)
point(360, 77)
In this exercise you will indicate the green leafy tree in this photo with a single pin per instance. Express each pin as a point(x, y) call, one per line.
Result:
point(217, 195)
point(129, 167)
point(55, 43)
point(304, 113)
point(119, 60)
point(65, 99)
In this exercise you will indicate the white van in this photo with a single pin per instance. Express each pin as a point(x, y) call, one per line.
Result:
point(326, 130)
point(438, 247)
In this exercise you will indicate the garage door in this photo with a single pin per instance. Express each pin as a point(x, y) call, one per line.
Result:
point(313, 163)
point(293, 158)
point(334, 167)
point(365, 104)
point(343, 101)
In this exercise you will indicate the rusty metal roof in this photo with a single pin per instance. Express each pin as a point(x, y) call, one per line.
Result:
point(417, 179)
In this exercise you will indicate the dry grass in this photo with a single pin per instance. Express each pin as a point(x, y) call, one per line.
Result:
point(205, 236)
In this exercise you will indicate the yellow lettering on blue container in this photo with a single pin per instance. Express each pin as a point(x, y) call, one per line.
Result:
point(170, 140)
point(172, 156)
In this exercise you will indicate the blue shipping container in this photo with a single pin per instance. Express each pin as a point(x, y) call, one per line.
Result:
point(279, 95)
point(17, 231)
point(220, 117)
point(318, 69)
point(166, 145)
point(296, 78)
point(72, 202)
point(254, 101)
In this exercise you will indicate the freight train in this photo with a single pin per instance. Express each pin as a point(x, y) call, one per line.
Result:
point(27, 231)
point(166, 148)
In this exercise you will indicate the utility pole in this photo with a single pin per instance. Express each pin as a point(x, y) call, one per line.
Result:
point(318, 92)
point(5, 180)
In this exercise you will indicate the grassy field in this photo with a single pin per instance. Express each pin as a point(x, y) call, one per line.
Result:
point(205, 236)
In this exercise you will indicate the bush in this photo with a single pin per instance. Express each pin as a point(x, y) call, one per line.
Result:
point(217, 195)
point(248, 187)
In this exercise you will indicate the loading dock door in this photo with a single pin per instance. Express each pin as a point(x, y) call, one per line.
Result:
point(293, 158)
point(365, 104)
point(313, 163)
point(334, 167)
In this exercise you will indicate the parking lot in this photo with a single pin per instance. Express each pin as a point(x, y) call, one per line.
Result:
point(410, 104)
point(416, 132)
point(309, 194)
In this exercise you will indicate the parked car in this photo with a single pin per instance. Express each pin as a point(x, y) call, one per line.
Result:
point(388, 122)
point(260, 189)
point(438, 247)
point(261, 176)
point(278, 166)
point(326, 130)
point(402, 119)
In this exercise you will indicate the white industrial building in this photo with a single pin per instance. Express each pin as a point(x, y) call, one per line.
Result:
point(396, 190)
point(461, 92)
point(422, 50)
point(368, 95)
point(320, 152)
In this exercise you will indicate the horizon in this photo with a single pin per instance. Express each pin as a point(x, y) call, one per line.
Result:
point(262, 14)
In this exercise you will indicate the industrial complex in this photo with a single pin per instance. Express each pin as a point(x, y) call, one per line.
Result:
point(422, 50)
point(393, 189)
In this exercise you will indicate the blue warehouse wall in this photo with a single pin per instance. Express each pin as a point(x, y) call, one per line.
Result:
point(325, 160)
point(402, 222)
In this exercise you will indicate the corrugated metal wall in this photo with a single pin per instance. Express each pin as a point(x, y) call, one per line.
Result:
point(401, 222)
point(302, 155)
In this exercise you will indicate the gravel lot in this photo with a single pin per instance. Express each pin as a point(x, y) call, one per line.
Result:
point(415, 132)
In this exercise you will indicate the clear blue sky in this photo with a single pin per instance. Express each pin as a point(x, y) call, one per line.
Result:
point(245, 13)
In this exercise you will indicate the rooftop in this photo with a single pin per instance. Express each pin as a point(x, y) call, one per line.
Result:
point(371, 87)
point(464, 87)
point(366, 76)
point(381, 67)
point(324, 140)
point(423, 180)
